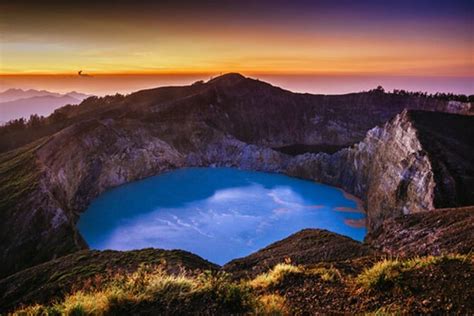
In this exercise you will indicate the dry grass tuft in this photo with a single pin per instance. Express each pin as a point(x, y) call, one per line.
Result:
point(388, 272)
point(272, 304)
point(275, 275)
point(326, 274)
point(153, 286)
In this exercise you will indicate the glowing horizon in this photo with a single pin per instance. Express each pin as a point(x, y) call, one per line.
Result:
point(270, 37)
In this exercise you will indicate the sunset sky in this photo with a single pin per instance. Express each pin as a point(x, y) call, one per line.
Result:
point(407, 37)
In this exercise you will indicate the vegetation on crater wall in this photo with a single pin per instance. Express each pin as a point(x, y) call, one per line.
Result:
point(20, 174)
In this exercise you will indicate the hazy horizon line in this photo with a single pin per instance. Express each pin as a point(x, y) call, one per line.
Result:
point(315, 83)
point(244, 73)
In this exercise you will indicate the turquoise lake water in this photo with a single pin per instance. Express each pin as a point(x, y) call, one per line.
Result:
point(217, 213)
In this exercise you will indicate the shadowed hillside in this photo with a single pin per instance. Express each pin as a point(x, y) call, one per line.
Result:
point(252, 111)
point(230, 121)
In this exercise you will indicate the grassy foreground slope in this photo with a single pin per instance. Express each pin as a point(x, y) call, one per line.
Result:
point(306, 273)
point(442, 284)
point(51, 280)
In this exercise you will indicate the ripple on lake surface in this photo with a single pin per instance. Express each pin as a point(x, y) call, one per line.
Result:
point(217, 213)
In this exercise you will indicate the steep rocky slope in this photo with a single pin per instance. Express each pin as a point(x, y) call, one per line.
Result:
point(405, 166)
point(449, 143)
point(430, 233)
point(229, 121)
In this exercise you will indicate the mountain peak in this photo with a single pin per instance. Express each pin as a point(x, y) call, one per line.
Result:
point(230, 77)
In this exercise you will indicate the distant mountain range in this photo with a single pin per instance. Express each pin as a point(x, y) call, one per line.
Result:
point(17, 103)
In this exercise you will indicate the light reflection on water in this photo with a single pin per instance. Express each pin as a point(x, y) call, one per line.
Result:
point(217, 213)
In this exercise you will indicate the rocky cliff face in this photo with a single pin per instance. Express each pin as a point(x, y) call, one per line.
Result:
point(230, 121)
point(389, 169)
point(449, 143)
point(407, 166)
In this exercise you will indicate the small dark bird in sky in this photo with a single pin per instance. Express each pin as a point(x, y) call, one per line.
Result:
point(80, 74)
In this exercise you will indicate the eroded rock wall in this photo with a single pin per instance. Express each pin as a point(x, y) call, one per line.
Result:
point(389, 170)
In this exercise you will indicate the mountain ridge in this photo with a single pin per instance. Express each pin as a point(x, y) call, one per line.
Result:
point(18, 103)
point(121, 139)
point(313, 119)
point(13, 94)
